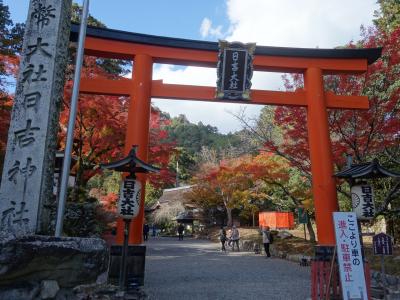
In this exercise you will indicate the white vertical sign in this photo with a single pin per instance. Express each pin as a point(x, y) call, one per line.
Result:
point(351, 265)
point(362, 198)
point(129, 198)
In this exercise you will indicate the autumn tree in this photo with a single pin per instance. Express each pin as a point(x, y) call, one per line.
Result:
point(161, 149)
point(251, 184)
point(282, 184)
point(99, 128)
point(10, 45)
point(219, 185)
point(194, 140)
point(99, 133)
point(365, 134)
point(388, 16)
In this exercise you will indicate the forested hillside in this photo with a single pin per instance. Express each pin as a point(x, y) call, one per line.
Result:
point(193, 137)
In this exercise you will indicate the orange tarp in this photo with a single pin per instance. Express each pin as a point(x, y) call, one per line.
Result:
point(276, 220)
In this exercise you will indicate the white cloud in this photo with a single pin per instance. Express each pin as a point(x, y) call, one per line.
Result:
point(206, 29)
point(185, 75)
point(287, 23)
point(215, 114)
point(300, 23)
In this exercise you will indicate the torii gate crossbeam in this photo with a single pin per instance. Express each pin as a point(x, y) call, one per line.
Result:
point(145, 50)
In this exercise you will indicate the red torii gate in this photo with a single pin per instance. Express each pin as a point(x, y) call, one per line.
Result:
point(144, 50)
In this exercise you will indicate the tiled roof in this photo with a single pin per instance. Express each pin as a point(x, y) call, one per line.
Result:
point(367, 170)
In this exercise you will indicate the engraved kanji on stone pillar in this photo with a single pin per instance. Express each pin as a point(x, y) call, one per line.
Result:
point(26, 185)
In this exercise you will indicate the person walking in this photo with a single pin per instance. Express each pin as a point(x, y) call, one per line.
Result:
point(146, 230)
point(222, 238)
point(267, 240)
point(181, 228)
point(228, 237)
point(235, 236)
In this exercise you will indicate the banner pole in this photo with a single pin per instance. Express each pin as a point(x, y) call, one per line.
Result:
point(122, 273)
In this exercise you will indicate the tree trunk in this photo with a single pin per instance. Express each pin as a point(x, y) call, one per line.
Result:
point(76, 187)
point(229, 215)
point(78, 180)
point(310, 229)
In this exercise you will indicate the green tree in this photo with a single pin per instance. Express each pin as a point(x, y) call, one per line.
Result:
point(110, 66)
point(193, 137)
point(11, 34)
point(10, 45)
point(388, 16)
point(152, 194)
point(183, 165)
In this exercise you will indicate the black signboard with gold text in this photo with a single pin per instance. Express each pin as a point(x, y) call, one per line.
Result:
point(235, 69)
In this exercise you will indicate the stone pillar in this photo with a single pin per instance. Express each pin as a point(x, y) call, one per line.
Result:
point(27, 180)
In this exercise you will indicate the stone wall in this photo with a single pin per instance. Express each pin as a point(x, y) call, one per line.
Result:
point(35, 265)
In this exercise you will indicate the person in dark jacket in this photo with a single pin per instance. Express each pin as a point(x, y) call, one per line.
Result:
point(181, 228)
point(146, 230)
point(222, 238)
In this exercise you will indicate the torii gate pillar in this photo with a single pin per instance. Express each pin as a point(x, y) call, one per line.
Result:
point(323, 182)
point(137, 133)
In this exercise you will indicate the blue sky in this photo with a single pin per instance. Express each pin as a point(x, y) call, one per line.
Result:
point(289, 23)
point(167, 18)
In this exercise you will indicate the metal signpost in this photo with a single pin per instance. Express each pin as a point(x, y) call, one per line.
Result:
point(129, 199)
point(128, 208)
point(302, 218)
point(382, 244)
point(349, 257)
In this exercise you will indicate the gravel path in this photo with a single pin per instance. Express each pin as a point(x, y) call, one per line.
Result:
point(195, 269)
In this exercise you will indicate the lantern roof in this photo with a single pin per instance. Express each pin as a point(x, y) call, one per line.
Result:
point(131, 164)
point(367, 170)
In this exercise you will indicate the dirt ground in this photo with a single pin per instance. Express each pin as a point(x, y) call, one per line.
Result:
point(297, 245)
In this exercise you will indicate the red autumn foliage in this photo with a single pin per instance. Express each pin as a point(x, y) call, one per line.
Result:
point(160, 150)
point(5, 114)
point(10, 66)
point(109, 202)
point(362, 133)
point(100, 130)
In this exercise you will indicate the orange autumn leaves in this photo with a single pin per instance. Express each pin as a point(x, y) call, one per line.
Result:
point(245, 183)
